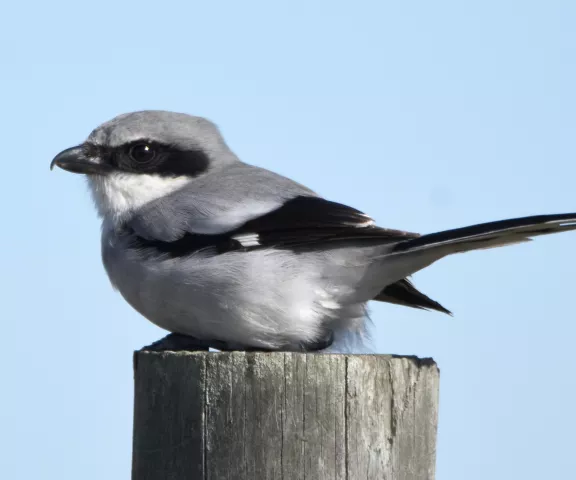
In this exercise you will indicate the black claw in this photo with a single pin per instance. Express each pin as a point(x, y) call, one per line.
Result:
point(222, 346)
point(319, 344)
point(176, 342)
point(227, 348)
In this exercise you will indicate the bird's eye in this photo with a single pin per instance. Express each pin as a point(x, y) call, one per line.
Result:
point(142, 153)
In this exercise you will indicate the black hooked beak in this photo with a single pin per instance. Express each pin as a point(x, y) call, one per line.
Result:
point(75, 160)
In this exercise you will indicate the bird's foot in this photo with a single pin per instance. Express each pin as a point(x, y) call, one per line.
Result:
point(320, 344)
point(176, 342)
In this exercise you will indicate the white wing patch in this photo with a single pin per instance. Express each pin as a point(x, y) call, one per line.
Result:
point(367, 223)
point(248, 239)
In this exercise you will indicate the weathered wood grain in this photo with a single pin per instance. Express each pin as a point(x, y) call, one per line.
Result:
point(285, 416)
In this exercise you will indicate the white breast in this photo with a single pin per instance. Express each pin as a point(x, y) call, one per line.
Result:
point(262, 298)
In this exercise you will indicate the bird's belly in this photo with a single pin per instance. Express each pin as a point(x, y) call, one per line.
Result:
point(261, 298)
point(143, 286)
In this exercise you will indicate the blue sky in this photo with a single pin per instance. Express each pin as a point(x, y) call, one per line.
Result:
point(426, 115)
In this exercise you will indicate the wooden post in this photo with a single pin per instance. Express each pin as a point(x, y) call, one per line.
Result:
point(288, 416)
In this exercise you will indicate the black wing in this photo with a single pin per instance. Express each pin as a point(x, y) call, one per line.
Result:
point(302, 223)
point(312, 222)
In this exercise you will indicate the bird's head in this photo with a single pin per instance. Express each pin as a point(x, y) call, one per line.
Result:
point(139, 157)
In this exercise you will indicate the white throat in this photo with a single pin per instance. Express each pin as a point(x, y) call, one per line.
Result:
point(119, 194)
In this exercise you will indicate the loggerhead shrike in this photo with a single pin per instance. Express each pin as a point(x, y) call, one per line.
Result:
point(228, 255)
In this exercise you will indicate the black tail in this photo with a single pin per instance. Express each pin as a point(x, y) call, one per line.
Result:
point(474, 237)
point(489, 235)
point(404, 293)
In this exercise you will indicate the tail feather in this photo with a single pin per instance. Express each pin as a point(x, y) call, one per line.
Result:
point(437, 245)
point(405, 293)
point(490, 235)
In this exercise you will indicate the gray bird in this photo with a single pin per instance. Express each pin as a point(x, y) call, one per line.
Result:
point(231, 256)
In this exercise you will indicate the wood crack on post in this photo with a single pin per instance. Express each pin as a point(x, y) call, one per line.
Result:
point(346, 414)
point(285, 416)
point(393, 417)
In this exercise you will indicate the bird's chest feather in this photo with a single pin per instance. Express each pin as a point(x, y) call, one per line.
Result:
point(260, 296)
point(178, 295)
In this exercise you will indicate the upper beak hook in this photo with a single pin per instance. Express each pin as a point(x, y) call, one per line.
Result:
point(74, 160)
